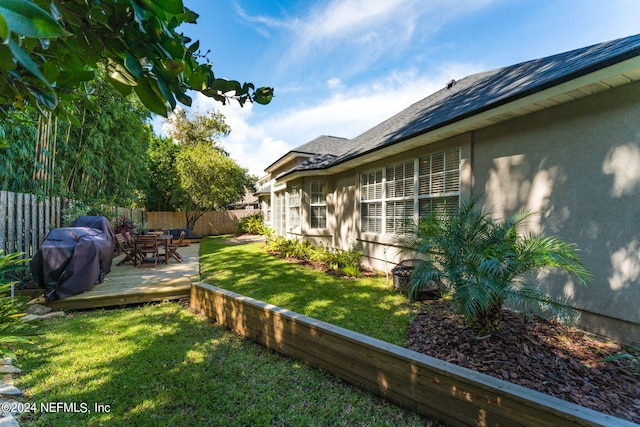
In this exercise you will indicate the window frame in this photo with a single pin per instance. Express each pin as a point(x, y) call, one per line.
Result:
point(318, 201)
point(402, 197)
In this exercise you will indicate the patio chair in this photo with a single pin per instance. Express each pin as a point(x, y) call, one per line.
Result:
point(173, 248)
point(126, 249)
point(146, 246)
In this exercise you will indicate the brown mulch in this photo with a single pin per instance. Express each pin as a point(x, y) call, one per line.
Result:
point(541, 355)
point(537, 354)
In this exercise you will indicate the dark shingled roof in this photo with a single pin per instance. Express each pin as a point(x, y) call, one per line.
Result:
point(324, 144)
point(478, 93)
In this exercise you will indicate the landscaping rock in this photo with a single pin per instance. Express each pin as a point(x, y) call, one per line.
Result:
point(38, 309)
point(9, 390)
point(9, 369)
point(8, 421)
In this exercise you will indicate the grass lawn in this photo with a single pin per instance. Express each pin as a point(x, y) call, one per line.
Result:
point(158, 365)
point(162, 365)
point(365, 305)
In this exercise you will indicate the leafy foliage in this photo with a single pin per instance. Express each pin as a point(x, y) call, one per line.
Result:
point(210, 179)
point(12, 330)
point(251, 224)
point(123, 224)
point(163, 191)
point(338, 259)
point(101, 161)
point(290, 248)
point(191, 172)
point(487, 264)
point(49, 52)
point(335, 259)
point(190, 128)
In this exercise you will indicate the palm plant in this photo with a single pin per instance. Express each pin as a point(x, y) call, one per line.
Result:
point(487, 264)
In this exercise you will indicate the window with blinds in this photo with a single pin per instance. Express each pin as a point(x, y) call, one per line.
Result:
point(394, 197)
point(279, 213)
point(371, 201)
point(318, 202)
point(293, 202)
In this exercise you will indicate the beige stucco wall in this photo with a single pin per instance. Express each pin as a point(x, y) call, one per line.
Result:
point(578, 165)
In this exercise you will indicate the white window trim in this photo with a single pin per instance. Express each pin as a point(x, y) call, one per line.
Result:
point(416, 197)
point(318, 204)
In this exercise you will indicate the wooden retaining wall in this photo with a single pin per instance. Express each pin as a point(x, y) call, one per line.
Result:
point(433, 388)
point(211, 223)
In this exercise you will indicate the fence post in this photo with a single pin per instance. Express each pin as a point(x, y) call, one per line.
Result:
point(3, 222)
point(11, 223)
point(28, 229)
point(19, 222)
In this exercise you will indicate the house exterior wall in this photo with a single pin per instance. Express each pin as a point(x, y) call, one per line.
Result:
point(578, 166)
point(382, 252)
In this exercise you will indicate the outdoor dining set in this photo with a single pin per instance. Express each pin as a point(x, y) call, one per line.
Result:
point(154, 247)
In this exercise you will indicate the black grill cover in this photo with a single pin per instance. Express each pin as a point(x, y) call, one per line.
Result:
point(71, 260)
point(97, 222)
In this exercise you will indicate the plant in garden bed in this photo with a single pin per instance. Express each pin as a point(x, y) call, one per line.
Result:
point(487, 263)
point(348, 262)
point(251, 224)
point(123, 224)
point(12, 330)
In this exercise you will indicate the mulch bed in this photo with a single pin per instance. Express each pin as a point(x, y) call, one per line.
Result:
point(529, 351)
point(537, 354)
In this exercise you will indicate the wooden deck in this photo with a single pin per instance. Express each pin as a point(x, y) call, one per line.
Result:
point(126, 284)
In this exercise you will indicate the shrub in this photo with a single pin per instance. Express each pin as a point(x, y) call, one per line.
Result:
point(488, 264)
point(122, 224)
point(337, 259)
point(12, 330)
point(251, 224)
point(290, 248)
point(351, 271)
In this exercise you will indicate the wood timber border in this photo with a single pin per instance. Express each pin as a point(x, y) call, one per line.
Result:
point(433, 388)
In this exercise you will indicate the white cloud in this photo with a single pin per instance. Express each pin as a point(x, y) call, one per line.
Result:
point(358, 32)
point(257, 140)
point(334, 83)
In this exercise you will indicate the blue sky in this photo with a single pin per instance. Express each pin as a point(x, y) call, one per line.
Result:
point(340, 67)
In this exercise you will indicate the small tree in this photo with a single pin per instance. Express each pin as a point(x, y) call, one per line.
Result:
point(488, 264)
point(210, 179)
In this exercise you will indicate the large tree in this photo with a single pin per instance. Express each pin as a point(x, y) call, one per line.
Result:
point(49, 50)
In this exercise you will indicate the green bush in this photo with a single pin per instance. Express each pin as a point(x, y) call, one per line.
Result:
point(290, 248)
point(488, 264)
point(337, 259)
point(351, 271)
point(12, 330)
point(251, 224)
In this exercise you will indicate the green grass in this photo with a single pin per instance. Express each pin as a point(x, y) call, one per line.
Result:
point(158, 365)
point(365, 305)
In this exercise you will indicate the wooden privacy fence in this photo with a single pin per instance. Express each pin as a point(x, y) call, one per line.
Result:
point(433, 388)
point(25, 221)
point(212, 223)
